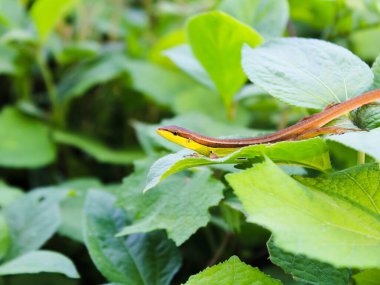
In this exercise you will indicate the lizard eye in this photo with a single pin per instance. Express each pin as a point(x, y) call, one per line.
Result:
point(175, 133)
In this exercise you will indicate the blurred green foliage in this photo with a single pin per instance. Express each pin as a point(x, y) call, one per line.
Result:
point(83, 85)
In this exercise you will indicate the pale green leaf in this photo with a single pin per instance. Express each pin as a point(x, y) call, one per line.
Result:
point(366, 142)
point(142, 259)
point(306, 72)
point(46, 14)
point(183, 57)
point(376, 72)
point(308, 270)
point(367, 277)
point(268, 17)
point(179, 205)
point(8, 194)
point(359, 184)
point(40, 261)
point(158, 83)
point(177, 91)
point(232, 272)
point(311, 153)
point(24, 142)
point(216, 40)
point(96, 149)
point(32, 220)
point(309, 222)
point(12, 14)
point(4, 237)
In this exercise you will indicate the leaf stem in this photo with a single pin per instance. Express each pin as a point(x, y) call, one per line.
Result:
point(47, 76)
point(218, 253)
point(361, 157)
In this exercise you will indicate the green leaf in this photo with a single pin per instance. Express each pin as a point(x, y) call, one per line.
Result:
point(72, 206)
point(306, 72)
point(12, 14)
point(304, 221)
point(308, 270)
point(40, 261)
point(183, 57)
point(376, 72)
point(231, 272)
point(91, 73)
point(32, 220)
point(367, 117)
point(316, 13)
point(7, 60)
point(311, 153)
point(4, 237)
point(180, 205)
point(176, 91)
point(268, 17)
point(358, 184)
point(366, 142)
point(216, 40)
point(96, 149)
point(46, 14)
point(367, 277)
point(365, 43)
point(8, 194)
point(138, 259)
point(24, 142)
point(78, 51)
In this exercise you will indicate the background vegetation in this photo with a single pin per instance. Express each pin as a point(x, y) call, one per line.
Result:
point(85, 83)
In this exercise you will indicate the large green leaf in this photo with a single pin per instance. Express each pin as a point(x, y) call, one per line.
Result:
point(268, 17)
point(46, 14)
point(32, 220)
point(216, 40)
point(180, 205)
point(311, 153)
point(304, 221)
point(40, 261)
point(306, 72)
point(366, 142)
point(4, 237)
point(96, 149)
point(308, 270)
point(359, 184)
point(24, 141)
point(231, 272)
point(137, 259)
